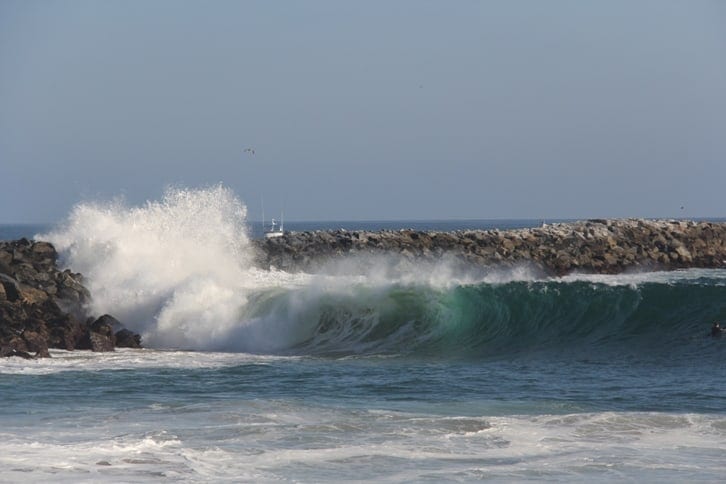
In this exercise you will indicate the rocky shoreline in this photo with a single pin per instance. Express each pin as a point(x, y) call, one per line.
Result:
point(42, 307)
point(592, 246)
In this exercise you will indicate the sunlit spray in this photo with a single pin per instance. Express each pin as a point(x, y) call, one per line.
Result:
point(173, 269)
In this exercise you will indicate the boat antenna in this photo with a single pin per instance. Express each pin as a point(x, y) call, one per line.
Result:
point(262, 204)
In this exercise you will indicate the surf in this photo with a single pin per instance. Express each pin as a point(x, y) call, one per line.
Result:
point(485, 319)
point(181, 272)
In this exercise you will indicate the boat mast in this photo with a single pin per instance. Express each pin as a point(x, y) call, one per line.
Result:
point(262, 203)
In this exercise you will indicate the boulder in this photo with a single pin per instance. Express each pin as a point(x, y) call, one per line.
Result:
point(37, 342)
point(100, 342)
point(100, 335)
point(66, 332)
point(10, 288)
point(42, 307)
point(7, 351)
point(32, 296)
point(127, 339)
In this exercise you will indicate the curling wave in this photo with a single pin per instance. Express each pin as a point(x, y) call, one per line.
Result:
point(179, 271)
point(492, 319)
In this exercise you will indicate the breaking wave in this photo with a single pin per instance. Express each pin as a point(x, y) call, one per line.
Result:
point(180, 271)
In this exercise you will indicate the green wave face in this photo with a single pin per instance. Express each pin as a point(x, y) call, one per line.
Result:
point(493, 319)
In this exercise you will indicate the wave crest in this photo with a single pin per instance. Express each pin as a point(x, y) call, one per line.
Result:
point(179, 271)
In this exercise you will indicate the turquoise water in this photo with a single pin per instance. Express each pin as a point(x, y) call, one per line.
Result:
point(383, 371)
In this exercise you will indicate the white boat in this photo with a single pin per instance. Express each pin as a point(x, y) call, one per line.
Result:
point(274, 232)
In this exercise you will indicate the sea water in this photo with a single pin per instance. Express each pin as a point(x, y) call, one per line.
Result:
point(381, 371)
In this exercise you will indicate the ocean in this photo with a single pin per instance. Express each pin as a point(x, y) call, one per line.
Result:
point(382, 371)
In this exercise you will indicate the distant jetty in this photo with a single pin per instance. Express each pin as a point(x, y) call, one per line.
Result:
point(591, 246)
point(42, 307)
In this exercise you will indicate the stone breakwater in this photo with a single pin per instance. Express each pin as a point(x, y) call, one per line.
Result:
point(42, 307)
point(594, 246)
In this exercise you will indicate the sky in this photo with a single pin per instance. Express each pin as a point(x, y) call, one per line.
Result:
point(375, 110)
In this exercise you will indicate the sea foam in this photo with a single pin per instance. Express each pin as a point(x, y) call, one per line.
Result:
point(177, 270)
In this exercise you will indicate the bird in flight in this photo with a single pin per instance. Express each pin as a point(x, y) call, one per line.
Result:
point(249, 150)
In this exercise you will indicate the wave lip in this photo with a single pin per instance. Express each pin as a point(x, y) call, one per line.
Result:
point(485, 319)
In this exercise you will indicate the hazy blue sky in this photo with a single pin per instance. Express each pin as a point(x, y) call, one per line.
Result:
point(367, 109)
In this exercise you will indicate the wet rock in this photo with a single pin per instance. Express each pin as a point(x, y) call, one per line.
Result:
point(100, 335)
point(31, 295)
point(66, 332)
point(42, 307)
point(10, 288)
point(8, 351)
point(37, 342)
point(127, 339)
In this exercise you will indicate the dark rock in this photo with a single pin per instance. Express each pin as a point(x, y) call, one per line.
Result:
point(5, 263)
point(66, 332)
point(32, 296)
point(10, 287)
point(35, 336)
point(100, 335)
point(127, 339)
point(42, 307)
point(7, 351)
point(100, 342)
point(45, 251)
point(105, 325)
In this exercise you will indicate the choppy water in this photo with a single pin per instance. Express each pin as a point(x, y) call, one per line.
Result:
point(381, 371)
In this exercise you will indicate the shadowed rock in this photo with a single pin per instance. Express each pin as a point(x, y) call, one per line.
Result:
point(42, 307)
point(127, 339)
point(100, 335)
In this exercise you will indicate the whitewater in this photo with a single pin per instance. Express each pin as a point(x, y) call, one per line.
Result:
point(375, 369)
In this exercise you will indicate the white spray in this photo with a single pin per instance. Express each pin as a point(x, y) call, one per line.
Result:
point(177, 270)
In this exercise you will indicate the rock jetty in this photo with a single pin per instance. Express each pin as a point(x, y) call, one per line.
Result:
point(42, 307)
point(593, 246)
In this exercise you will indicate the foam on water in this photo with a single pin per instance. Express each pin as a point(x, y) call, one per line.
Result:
point(276, 441)
point(130, 359)
point(709, 277)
